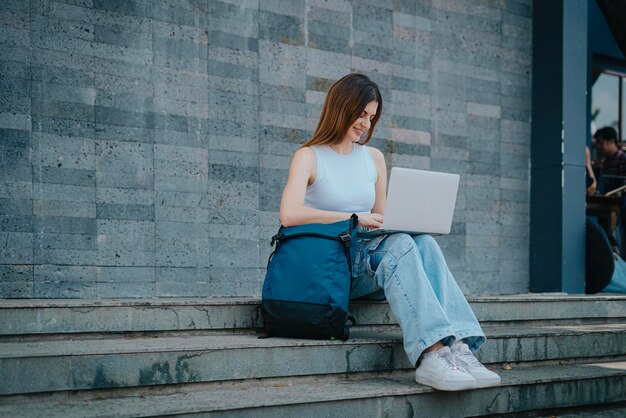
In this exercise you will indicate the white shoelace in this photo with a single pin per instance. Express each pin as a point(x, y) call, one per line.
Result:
point(449, 360)
point(469, 358)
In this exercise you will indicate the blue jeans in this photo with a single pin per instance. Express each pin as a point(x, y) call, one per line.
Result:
point(412, 274)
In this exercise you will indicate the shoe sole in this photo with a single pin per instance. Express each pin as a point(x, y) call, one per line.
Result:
point(447, 386)
point(487, 383)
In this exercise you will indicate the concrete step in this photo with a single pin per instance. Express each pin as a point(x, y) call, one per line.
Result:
point(614, 410)
point(182, 357)
point(41, 316)
point(365, 394)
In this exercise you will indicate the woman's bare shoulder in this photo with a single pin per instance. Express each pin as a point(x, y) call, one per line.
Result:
point(306, 153)
point(304, 156)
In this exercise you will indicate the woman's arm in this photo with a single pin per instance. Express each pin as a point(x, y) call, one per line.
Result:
point(292, 209)
point(591, 190)
point(381, 184)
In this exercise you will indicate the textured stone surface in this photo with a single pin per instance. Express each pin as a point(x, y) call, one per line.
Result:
point(88, 362)
point(45, 316)
point(144, 145)
point(355, 395)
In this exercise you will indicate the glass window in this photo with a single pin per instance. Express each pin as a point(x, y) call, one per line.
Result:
point(605, 102)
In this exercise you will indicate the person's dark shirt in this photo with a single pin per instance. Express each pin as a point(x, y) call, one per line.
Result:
point(613, 165)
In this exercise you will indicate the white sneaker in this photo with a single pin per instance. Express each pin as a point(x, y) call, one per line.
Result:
point(440, 370)
point(484, 377)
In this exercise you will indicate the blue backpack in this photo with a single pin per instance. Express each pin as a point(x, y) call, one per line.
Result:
point(307, 284)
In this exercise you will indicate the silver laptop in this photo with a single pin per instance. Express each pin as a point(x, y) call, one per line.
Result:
point(418, 202)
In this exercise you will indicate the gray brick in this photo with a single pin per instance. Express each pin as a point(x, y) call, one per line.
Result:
point(126, 236)
point(63, 208)
point(234, 281)
point(139, 180)
point(63, 152)
point(60, 175)
point(117, 211)
point(13, 88)
point(48, 273)
point(121, 84)
point(291, 8)
point(123, 257)
point(16, 248)
point(233, 41)
point(16, 53)
point(289, 94)
point(23, 290)
point(63, 110)
point(181, 213)
point(15, 36)
point(124, 290)
point(126, 274)
point(15, 164)
point(15, 121)
point(65, 289)
point(281, 28)
point(182, 289)
point(188, 14)
point(135, 40)
point(64, 225)
point(43, 26)
point(220, 10)
point(110, 116)
point(178, 198)
point(329, 29)
point(291, 70)
point(236, 215)
point(63, 192)
point(177, 123)
point(230, 173)
point(63, 126)
point(16, 223)
point(16, 207)
point(171, 183)
point(46, 241)
point(179, 48)
point(333, 17)
point(16, 189)
point(130, 7)
point(129, 157)
point(328, 43)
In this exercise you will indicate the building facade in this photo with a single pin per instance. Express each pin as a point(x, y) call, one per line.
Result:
point(145, 144)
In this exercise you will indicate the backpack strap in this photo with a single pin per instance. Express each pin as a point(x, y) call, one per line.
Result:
point(346, 238)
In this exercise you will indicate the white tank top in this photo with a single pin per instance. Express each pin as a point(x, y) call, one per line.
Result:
point(344, 183)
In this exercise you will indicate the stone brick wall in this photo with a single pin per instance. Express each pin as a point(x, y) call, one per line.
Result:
point(145, 144)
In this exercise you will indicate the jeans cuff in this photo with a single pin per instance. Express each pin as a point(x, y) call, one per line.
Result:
point(474, 338)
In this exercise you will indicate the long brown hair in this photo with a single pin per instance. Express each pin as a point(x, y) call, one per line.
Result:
point(345, 101)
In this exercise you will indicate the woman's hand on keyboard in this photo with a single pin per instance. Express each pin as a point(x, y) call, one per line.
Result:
point(371, 220)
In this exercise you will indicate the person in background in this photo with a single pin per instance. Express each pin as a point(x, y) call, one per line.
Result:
point(611, 170)
point(602, 262)
point(613, 162)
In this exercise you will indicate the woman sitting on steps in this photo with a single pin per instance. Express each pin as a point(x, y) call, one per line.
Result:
point(334, 175)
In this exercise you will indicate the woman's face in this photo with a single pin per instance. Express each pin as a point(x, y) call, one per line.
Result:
point(363, 122)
